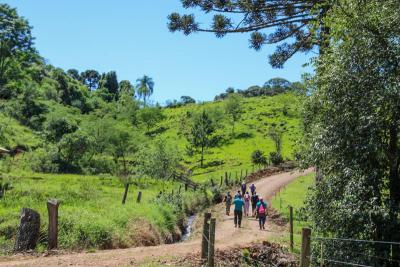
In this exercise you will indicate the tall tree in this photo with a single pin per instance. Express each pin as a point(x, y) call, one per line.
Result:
point(16, 40)
point(125, 87)
point(234, 109)
point(352, 129)
point(200, 135)
point(110, 82)
point(300, 22)
point(91, 79)
point(74, 73)
point(145, 87)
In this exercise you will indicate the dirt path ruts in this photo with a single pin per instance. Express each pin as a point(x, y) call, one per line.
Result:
point(226, 236)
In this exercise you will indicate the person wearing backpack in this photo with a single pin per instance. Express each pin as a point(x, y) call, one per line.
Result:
point(262, 213)
point(228, 203)
point(246, 203)
point(243, 187)
point(254, 201)
point(252, 189)
point(238, 211)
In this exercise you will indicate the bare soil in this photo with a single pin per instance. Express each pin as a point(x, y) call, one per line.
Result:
point(227, 237)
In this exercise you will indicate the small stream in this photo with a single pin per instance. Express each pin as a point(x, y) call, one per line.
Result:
point(188, 230)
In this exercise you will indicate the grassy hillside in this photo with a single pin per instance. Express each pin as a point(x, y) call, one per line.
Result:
point(91, 213)
point(13, 134)
point(250, 133)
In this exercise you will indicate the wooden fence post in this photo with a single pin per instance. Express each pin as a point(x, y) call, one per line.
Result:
point(139, 197)
point(305, 247)
point(212, 182)
point(220, 184)
point(186, 186)
point(52, 208)
point(211, 244)
point(206, 231)
point(291, 227)
point(180, 187)
point(125, 193)
point(241, 174)
point(226, 179)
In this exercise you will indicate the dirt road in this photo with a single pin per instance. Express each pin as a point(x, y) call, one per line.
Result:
point(226, 236)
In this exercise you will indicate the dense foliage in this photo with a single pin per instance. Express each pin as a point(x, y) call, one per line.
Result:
point(352, 125)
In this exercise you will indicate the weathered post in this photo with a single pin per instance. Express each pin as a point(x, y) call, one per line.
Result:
point(28, 230)
point(211, 244)
point(204, 240)
point(212, 182)
point(305, 247)
point(52, 208)
point(220, 184)
point(241, 174)
point(179, 190)
point(139, 197)
point(291, 227)
point(226, 179)
point(186, 186)
point(125, 193)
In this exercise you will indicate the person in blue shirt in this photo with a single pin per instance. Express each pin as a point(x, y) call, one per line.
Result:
point(238, 211)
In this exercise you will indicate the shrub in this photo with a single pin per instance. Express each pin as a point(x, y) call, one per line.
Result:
point(276, 158)
point(258, 158)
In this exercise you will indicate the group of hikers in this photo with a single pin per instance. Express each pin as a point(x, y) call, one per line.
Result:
point(242, 201)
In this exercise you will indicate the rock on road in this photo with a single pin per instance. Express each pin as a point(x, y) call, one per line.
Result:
point(226, 236)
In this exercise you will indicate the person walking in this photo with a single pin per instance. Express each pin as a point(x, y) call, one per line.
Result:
point(262, 213)
point(254, 201)
point(238, 211)
point(252, 189)
point(246, 203)
point(243, 187)
point(228, 202)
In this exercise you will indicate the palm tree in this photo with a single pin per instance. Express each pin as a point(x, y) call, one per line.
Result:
point(145, 86)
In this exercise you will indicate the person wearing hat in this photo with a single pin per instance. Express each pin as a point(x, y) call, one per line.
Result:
point(228, 202)
point(262, 212)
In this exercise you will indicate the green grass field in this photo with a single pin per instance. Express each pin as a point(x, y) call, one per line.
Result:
point(294, 195)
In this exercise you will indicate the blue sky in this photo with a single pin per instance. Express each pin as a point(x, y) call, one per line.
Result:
point(131, 37)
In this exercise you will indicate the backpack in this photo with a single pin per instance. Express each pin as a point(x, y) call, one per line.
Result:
point(261, 209)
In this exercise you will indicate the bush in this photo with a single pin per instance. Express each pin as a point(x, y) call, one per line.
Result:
point(43, 160)
point(258, 158)
point(276, 158)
